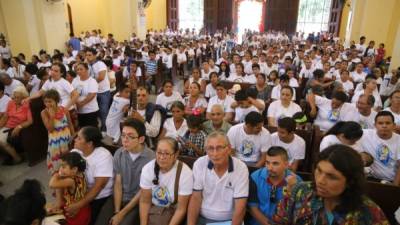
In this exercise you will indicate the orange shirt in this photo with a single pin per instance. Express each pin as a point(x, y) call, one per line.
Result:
point(16, 116)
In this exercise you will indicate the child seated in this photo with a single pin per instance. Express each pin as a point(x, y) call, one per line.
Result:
point(70, 185)
point(193, 140)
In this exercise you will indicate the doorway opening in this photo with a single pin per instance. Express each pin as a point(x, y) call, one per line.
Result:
point(249, 17)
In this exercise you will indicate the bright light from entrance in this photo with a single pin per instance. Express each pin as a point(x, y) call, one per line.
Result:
point(249, 17)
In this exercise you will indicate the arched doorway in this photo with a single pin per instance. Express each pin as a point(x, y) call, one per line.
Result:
point(249, 15)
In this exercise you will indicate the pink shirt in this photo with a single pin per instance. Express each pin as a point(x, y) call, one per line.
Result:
point(16, 116)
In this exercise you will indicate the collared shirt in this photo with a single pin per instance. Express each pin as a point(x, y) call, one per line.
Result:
point(130, 170)
point(209, 128)
point(260, 194)
point(219, 193)
point(303, 206)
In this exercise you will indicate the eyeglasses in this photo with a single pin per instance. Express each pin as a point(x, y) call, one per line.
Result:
point(129, 137)
point(218, 148)
point(165, 154)
point(272, 195)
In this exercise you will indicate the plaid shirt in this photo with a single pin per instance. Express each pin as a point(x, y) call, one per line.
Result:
point(197, 139)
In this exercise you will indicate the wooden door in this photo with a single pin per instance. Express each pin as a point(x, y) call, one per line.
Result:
point(281, 15)
point(173, 14)
point(335, 17)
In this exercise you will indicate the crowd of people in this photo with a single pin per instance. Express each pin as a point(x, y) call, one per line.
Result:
point(101, 88)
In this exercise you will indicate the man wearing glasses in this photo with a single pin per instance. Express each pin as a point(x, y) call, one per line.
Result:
point(123, 208)
point(221, 185)
point(268, 185)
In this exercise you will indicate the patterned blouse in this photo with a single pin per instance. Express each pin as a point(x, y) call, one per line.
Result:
point(72, 196)
point(304, 207)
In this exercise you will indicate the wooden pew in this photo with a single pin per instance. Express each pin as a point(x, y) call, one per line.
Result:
point(35, 137)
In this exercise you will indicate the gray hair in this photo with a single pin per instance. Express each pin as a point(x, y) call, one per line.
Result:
point(21, 90)
point(370, 99)
point(218, 106)
point(217, 134)
point(4, 75)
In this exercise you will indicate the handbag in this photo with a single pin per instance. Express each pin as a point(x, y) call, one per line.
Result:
point(162, 215)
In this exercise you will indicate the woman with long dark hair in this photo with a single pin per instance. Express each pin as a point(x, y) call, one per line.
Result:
point(335, 196)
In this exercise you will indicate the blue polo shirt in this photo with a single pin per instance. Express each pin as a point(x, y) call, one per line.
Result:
point(261, 190)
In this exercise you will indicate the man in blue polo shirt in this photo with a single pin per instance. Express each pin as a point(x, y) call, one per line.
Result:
point(268, 185)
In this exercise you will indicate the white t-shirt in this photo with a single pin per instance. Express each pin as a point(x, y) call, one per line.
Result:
point(241, 113)
point(377, 97)
point(251, 79)
point(9, 89)
point(332, 140)
point(210, 91)
point(358, 77)
point(84, 88)
point(219, 193)
point(163, 193)
point(306, 73)
point(277, 111)
point(94, 71)
point(276, 93)
point(296, 149)
point(99, 164)
point(367, 122)
point(347, 86)
point(46, 64)
point(396, 116)
point(166, 101)
point(125, 72)
point(226, 103)
point(386, 154)
point(115, 115)
point(171, 130)
point(4, 103)
point(326, 117)
point(62, 86)
point(249, 147)
point(35, 83)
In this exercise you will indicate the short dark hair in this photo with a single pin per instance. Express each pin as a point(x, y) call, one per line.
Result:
point(384, 113)
point(252, 92)
point(241, 95)
point(318, 73)
point(253, 118)
point(349, 163)
point(52, 94)
point(370, 99)
point(350, 130)
point(287, 123)
point(31, 68)
point(1, 86)
point(278, 151)
point(339, 95)
point(255, 65)
point(92, 50)
point(135, 124)
point(194, 121)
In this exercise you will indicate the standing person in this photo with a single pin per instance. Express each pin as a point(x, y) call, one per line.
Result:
point(98, 71)
point(70, 184)
point(58, 123)
point(335, 196)
point(87, 89)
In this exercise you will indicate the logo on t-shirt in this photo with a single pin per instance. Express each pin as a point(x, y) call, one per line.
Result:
point(247, 148)
point(383, 154)
point(333, 115)
point(161, 196)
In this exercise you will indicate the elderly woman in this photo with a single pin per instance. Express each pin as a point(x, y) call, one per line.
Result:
point(17, 117)
point(336, 195)
point(166, 184)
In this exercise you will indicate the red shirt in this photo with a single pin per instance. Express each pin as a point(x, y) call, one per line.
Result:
point(16, 116)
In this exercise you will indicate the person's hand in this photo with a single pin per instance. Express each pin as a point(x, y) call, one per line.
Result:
point(189, 144)
point(25, 100)
point(116, 219)
point(16, 131)
point(51, 112)
point(291, 181)
point(78, 105)
point(72, 209)
point(136, 115)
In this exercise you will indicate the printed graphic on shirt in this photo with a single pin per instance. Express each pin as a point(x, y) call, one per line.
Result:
point(384, 154)
point(247, 148)
point(333, 115)
point(161, 196)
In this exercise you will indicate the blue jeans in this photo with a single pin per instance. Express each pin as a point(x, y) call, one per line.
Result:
point(104, 100)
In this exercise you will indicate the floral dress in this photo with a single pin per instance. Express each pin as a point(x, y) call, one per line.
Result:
point(59, 140)
point(304, 207)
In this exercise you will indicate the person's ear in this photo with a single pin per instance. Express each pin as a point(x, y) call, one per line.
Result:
point(142, 139)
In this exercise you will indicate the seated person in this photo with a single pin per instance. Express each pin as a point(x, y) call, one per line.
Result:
point(245, 104)
point(330, 111)
point(176, 126)
point(345, 133)
point(276, 91)
point(366, 116)
point(284, 107)
point(195, 103)
point(168, 96)
point(268, 185)
point(123, 207)
point(369, 88)
point(286, 138)
point(383, 144)
point(216, 122)
point(250, 140)
point(220, 187)
point(25, 207)
point(193, 140)
point(17, 117)
point(221, 98)
point(394, 108)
